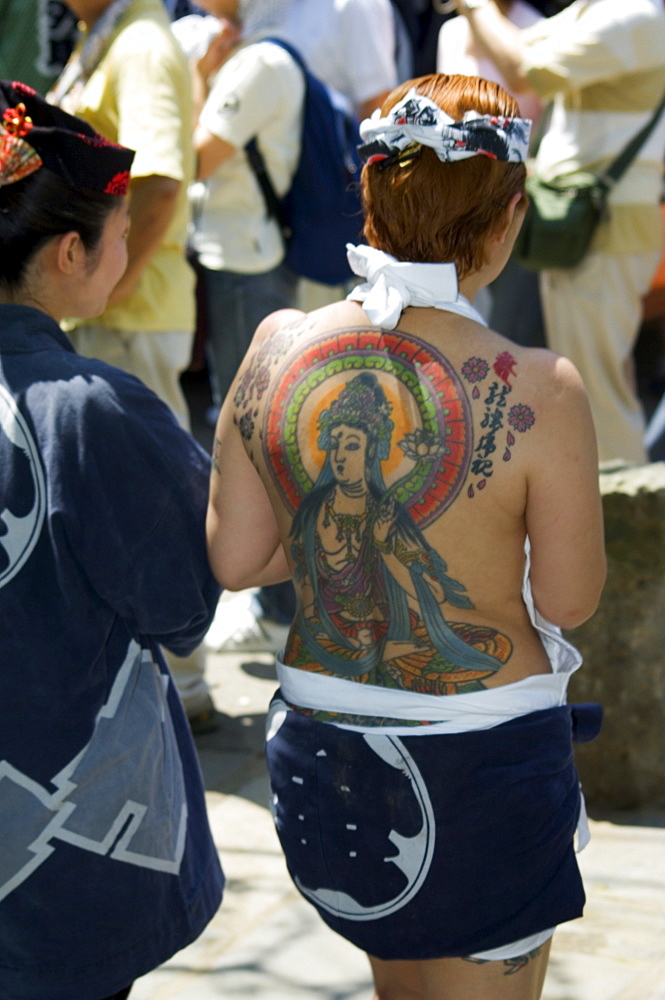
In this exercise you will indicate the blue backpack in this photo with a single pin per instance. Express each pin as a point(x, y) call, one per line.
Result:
point(321, 211)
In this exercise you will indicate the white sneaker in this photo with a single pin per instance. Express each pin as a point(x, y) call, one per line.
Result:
point(239, 626)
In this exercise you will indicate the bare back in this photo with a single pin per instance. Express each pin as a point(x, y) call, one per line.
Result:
point(404, 469)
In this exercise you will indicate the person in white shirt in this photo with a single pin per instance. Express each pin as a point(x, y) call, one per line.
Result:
point(349, 44)
point(457, 52)
point(258, 91)
point(602, 65)
point(511, 304)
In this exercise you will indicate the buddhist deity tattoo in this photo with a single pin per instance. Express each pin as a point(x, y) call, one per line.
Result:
point(364, 473)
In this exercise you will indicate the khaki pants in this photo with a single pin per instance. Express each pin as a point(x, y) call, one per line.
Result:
point(158, 358)
point(592, 316)
point(189, 677)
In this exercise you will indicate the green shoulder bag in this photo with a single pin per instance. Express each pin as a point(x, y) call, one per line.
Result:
point(561, 218)
point(563, 213)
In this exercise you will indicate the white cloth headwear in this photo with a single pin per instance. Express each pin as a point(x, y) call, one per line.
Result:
point(418, 120)
point(258, 16)
point(392, 285)
point(195, 33)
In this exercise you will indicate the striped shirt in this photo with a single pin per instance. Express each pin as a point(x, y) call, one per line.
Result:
point(602, 64)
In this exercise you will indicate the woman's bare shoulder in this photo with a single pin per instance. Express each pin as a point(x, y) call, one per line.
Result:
point(283, 319)
point(552, 376)
point(295, 328)
point(542, 362)
point(555, 379)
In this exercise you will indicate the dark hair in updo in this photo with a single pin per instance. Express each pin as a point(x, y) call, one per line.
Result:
point(434, 212)
point(40, 207)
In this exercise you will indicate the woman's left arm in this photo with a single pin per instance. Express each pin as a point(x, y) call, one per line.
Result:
point(244, 546)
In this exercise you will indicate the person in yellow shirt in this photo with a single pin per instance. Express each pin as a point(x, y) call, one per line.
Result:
point(130, 80)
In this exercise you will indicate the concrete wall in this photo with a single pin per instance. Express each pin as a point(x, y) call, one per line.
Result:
point(624, 646)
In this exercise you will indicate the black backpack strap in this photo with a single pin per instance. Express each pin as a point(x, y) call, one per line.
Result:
point(295, 55)
point(258, 164)
point(273, 204)
point(618, 167)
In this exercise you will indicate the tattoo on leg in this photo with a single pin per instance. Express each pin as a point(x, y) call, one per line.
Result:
point(513, 965)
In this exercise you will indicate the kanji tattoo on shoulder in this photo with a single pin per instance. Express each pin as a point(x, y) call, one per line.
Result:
point(500, 421)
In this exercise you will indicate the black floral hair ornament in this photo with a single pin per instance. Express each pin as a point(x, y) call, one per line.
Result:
point(34, 133)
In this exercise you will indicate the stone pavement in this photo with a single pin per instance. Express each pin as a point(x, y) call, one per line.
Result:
point(267, 943)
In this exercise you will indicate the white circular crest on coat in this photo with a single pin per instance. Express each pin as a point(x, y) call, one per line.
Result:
point(414, 855)
point(21, 533)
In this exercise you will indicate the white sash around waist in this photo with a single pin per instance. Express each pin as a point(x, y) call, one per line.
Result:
point(459, 713)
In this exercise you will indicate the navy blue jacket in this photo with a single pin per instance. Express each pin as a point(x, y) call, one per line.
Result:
point(107, 865)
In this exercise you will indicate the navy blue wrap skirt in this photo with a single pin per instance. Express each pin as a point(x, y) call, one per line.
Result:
point(432, 846)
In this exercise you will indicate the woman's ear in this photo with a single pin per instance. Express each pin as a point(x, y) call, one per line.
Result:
point(513, 218)
point(70, 253)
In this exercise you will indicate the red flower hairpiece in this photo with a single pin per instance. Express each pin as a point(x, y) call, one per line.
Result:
point(16, 120)
point(17, 158)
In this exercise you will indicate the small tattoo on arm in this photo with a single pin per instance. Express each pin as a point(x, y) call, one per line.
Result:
point(216, 455)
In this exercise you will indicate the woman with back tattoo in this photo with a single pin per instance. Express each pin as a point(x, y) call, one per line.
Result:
point(432, 489)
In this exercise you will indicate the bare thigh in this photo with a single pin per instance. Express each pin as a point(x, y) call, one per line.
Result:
point(462, 979)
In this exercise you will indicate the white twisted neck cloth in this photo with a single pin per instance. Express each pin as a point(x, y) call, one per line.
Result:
point(417, 121)
point(392, 285)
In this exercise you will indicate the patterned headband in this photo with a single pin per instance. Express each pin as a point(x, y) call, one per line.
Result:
point(416, 121)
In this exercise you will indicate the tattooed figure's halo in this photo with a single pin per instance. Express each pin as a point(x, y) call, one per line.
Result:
point(429, 452)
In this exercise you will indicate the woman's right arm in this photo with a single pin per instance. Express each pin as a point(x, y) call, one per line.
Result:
point(564, 516)
point(205, 67)
point(211, 151)
point(244, 546)
point(244, 542)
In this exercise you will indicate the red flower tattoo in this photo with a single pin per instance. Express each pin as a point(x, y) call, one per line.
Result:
point(504, 366)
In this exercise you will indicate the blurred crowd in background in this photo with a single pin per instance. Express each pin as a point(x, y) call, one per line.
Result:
point(206, 260)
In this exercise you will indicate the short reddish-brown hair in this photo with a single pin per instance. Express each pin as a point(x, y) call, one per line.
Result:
point(434, 212)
